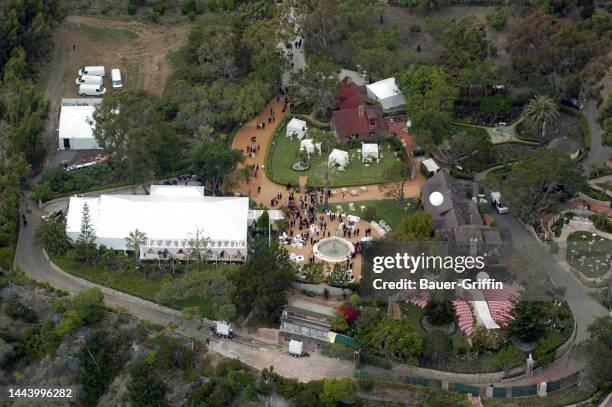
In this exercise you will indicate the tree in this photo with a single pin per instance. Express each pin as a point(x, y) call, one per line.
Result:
point(198, 247)
point(337, 392)
point(430, 94)
point(391, 336)
point(440, 312)
point(210, 284)
point(86, 242)
point(529, 321)
point(317, 84)
point(397, 175)
point(329, 141)
point(338, 276)
point(129, 128)
point(262, 282)
point(369, 213)
point(539, 182)
point(497, 19)
point(339, 323)
point(529, 43)
point(134, 241)
point(597, 353)
point(86, 308)
point(464, 41)
point(540, 112)
point(144, 389)
point(212, 163)
point(417, 226)
point(313, 272)
point(51, 234)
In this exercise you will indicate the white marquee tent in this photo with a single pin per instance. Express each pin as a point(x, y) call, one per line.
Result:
point(297, 128)
point(310, 146)
point(170, 217)
point(338, 157)
point(76, 124)
point(387, 93)
point(369, 152)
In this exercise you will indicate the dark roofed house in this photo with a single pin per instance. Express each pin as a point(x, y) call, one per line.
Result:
point(456, 210)
point(457, 219)
point(364, 123)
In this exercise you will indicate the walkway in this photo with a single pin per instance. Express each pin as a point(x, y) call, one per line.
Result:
point(270, 189)
point(598, 151)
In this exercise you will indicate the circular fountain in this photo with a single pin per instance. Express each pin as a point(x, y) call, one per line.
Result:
point(333, 249)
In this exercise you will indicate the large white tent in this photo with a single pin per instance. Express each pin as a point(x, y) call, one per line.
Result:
point(76, 124)
point(310, 146)
point(387, 93)
point(338, 157)
point(170, 217)
point(296, 128)
point(369, 152)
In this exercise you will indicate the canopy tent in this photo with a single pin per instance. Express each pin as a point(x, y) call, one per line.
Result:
point(431, 166)
point(170, 217)
point(338, 157)
point(369, 152)
point(297, 128)
point(76, 124)
point(387, 93)
point(310, 146)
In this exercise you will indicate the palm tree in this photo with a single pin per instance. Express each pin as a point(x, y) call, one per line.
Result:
point(135, 239)
point(540, 112)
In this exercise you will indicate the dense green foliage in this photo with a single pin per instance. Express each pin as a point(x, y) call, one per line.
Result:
point(539, 182)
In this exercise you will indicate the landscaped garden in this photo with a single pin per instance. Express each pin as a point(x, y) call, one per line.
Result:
point(285, 152)
point(589, 253)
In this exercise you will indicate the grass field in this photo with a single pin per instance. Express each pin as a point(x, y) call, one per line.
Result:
point(388, 210)
point(286, 152)
point(590, 259)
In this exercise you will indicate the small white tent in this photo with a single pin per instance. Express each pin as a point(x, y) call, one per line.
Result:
point(369, 152)
point(338, 157)
point(297, 128)
point(310, 146)
point(387, 93)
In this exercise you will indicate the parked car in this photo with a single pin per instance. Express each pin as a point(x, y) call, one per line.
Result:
point(86, 89)
point(496, 202)
point(116, 79)
point(89, 79)
point(572, 102)
point(92, 70)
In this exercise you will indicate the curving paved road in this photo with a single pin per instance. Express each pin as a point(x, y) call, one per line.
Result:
point(598, 151)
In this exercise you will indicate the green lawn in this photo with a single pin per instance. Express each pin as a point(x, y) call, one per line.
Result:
point(583, 256)
point(388, 210)
point(286, 152)
point(115, 35)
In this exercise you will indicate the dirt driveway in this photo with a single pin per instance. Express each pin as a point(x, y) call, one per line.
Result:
point(139, 50)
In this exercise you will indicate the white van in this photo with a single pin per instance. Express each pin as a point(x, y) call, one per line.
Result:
point(89, 79)
point(86, 89)
point(92, 70)
point(116, 78)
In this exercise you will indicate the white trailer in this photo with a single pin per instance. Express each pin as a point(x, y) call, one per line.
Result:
point(296, 349)
point(223, 329)
point(89, 79)
point(496, 202)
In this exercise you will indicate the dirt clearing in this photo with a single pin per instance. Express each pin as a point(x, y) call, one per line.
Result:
point(140, 50)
